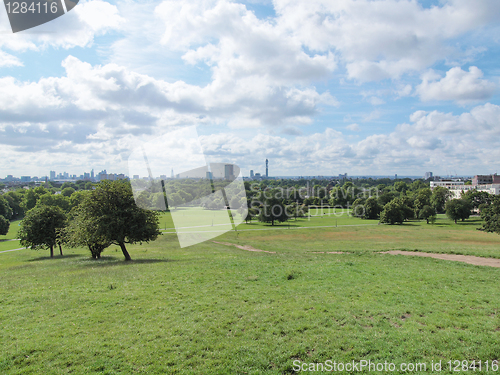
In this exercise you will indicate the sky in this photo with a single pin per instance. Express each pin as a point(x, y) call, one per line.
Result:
point(318, 87)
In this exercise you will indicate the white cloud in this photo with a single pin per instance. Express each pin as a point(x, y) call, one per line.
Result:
point(7, 60)
point(383, 39)
point(97, 103)
point(353, 127)
point(457, 85)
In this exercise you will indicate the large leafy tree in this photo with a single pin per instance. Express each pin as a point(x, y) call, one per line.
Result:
point(458, 209)
point(41, 228)
point(111, 211)
point(82, 231)
point(439, 197)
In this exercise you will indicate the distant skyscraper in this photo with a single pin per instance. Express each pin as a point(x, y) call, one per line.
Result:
point(251, 173)
point(209, 176)
point(172, 175)
point(396, 176)
point(92, 174)
point(52, 175)
point(267, 168)
point(428, 175)
point(229, 171)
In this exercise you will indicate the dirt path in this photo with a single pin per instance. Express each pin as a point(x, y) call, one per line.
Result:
point(477, 261)
point(245, 247)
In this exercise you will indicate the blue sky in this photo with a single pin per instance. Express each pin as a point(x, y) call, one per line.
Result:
point(317, 87)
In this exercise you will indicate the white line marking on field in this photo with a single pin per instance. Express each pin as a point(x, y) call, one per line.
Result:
point(6, 251)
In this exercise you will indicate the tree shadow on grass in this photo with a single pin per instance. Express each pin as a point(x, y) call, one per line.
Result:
point(107, 261)
point(54, 257)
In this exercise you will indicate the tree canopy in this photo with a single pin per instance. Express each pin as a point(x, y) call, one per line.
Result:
point(458, 209)
point(113, 216)
point(41, 228)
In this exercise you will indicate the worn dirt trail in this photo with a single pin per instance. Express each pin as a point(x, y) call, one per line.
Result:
point(470, 259)
point(245, 247)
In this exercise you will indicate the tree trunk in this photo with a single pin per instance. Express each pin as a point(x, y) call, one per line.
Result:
point(51, 251)
point(124, 251)
point(60, 249)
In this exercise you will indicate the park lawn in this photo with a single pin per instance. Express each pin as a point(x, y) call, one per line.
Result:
point(13, 229)
point(216, 309)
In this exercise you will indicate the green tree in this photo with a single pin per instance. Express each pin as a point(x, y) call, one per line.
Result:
point(14, 198)
point(83, 231)
point(458, 209)
point(4, 225)
point(372, 208)
point(491, 216)
point(67, 191)
point(32, 196)
point(112, 211)
point(392, 213)
point(272, 208)
point(426, 213)
point(57, 200)
point(439, 197)
point(5, 209)
point(41, 228)
point(401, 187)
point(477, 198)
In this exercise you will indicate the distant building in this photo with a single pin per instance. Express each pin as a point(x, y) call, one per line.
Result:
point(209, 176)
point(229, 172)
point(52, 175)
point(25, 178)
point(448, 184)
point(136, 177)
point(251, 173)
point(485, 179)
point(267, 168)
point(428, 175)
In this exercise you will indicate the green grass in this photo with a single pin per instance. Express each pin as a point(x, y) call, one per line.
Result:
point(216, 309)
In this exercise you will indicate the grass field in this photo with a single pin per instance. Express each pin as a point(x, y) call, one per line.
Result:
point(216, 309)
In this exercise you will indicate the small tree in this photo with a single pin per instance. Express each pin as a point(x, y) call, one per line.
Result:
point(272, 208)
point(41, 226)
point(4, 225)
point(426, 213)
point(457, 209)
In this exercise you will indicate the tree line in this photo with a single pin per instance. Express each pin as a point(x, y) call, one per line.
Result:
point(95, 219)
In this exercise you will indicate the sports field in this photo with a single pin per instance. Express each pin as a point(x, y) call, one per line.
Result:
point(217, 309)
